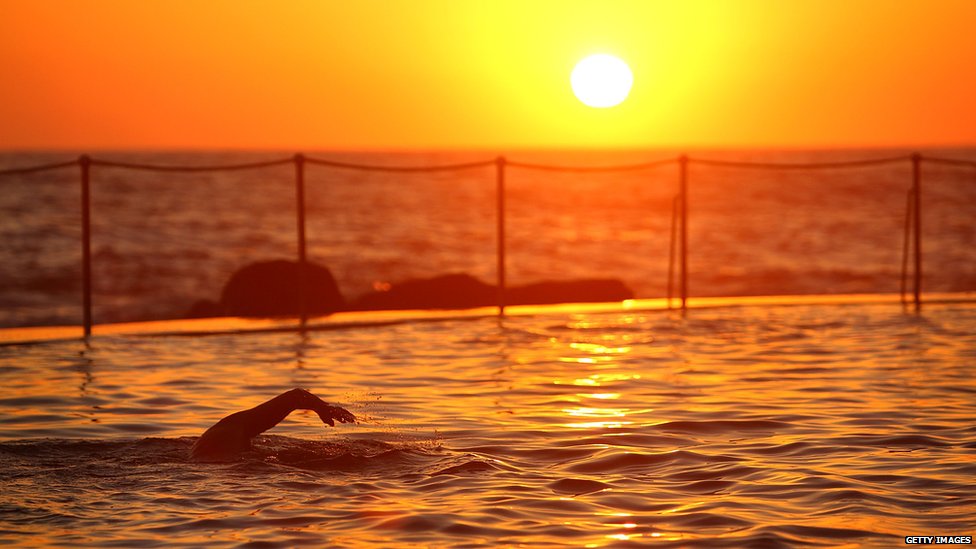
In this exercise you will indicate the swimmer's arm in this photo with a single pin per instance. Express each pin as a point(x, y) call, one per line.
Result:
point(259, 419)
point(233, 434)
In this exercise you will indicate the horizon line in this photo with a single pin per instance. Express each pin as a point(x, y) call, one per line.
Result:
point(481, 149)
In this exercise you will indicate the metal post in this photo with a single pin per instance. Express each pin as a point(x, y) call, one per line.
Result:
point(500, 190)
point(671, 247)
point(302, 261)
point(917, 190)
point(85, 162)
point(906, 242)
point(684, 232)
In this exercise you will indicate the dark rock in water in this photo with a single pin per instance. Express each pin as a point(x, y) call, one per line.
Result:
point(204, 308)
point(569, 291)
point(451, 291)
point(270, 288)
point(462, 291)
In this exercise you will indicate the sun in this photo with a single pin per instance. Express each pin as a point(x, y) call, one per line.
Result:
point(601, 80)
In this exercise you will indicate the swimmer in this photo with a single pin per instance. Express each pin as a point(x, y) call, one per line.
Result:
point(232, 435)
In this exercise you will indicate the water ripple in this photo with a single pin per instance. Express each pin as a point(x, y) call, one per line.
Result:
point(801, 426)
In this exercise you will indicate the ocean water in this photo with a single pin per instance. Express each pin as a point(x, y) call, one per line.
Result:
point(813, 425)
point(162, 241)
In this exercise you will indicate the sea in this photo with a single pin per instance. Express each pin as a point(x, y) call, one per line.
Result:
point(811, 421)
point(775, 426)
point(162, 241)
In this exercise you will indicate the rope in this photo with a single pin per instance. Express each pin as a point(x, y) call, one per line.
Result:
point(588, 169)
point(375, 168)
point(217, 168)
point(950, 161)
point(486, 163)
point(41, 168)
point(803, 166)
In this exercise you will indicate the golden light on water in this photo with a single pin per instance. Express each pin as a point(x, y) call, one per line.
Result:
point(595, 380)
point(600, 349)
point(679, 437)
point(595, 412)
point(601, 396)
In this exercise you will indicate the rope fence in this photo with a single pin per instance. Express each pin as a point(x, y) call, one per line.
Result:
point(217, 168)
point(801, 165)
point(950, 161)
point(679, 217)
point(399, 169)
point(593, 169)
point(40, 168)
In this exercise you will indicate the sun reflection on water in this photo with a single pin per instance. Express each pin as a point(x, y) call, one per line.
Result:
point(600, 396)
point(599, 424)
point(596, 380)
point(599, 349)
point(596, 412)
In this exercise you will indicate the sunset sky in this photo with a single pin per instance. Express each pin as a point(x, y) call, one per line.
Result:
point(417, 74)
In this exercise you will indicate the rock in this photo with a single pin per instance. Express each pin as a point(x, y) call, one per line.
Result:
point(569, 291)
point(204, 308)
point(463, 291)
point(270, 288)
point(451, 291)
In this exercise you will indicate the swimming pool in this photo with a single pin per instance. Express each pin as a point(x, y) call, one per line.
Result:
point(774, 426)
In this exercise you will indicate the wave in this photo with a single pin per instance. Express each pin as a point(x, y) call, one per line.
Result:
point(627, 461)
point(267, 451)
point(722, 426)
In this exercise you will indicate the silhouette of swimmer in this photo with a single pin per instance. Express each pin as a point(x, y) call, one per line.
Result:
point(232, 435)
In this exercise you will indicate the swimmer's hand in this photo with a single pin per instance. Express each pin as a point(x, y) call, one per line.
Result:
point(232, 435)
point(329, 414)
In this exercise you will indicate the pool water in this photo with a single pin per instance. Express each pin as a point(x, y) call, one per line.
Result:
point(744, 426)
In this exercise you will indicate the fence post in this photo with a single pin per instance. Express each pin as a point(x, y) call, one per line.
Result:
point(917, 190)
point(684, 231)
point(302, 261)
point(906, 242)
point(500, 216)
point(675, 204)
point(85, 163)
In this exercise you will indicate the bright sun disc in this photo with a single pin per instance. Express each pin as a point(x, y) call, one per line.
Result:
point(601, 80)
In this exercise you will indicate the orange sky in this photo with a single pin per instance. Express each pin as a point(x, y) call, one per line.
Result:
point(89, 74)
